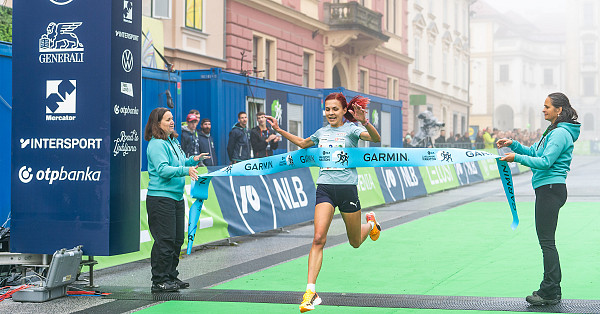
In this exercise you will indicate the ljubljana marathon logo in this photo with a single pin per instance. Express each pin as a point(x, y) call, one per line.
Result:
point(60, 44)
point(61, 96)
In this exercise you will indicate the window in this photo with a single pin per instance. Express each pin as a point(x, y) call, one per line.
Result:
point(464, 74)
point(392, 87)
point(364, 81)
point(445, 66)
point(264, 52)
point(588, 14)
point(386, 129)
point(295, 117)
point(456, 15)
point(463, 125)
point(417, 43)
point(161, 9)
point(431, 58)
point(193, 14)
point(255, 47)
point(308, 69)
point(589, 53)
point(445, 11)
point(504, 73)
point(253, 105)
point(268, 59)
point(589, 85)
point(455, 124)
point(456, 71)
point(548, 77)
point(390, 18)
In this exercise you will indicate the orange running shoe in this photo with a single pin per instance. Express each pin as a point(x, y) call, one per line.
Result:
point(374, 234)
point(309, 300)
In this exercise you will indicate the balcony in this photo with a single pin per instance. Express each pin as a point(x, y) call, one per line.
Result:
point(353, 16)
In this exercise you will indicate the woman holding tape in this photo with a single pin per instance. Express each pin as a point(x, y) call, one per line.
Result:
point(167, 168)
point(336, 186)
point(549, 160)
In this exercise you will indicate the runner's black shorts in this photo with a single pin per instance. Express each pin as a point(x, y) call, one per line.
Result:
point(343, 196)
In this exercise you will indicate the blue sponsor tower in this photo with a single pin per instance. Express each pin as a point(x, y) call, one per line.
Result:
point(76, 126)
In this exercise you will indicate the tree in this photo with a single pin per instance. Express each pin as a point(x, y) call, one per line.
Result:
point(5, 24)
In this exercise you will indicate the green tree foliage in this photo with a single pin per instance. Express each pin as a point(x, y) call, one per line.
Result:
point(5, 24)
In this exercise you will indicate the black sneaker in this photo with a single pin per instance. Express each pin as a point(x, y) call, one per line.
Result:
point(167, 286)
point(181, 284)
point(536, 299)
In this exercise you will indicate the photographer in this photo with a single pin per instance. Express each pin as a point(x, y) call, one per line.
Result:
point(427, 131)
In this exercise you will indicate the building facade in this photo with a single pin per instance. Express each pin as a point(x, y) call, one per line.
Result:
point(439, 44)
point(361, 46)
point(514, 66)
point(583, 57)
point(192, 32)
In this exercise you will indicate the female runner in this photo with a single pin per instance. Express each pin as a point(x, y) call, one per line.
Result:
point(336, 186)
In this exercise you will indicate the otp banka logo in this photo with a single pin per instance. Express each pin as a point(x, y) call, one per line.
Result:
point(61, 96)
point(60, 44)
point(127, 11)
point(26, 174)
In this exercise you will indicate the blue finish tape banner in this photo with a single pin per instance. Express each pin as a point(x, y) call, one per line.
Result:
point(350, 158)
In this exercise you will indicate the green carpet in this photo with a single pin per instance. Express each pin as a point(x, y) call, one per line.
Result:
point(264, 308)
point(466, 251)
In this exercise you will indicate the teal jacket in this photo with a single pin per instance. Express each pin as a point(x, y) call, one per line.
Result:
point(549, 158)
point(167, 168)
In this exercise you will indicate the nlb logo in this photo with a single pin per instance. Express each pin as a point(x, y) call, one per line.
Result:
point(49, 175)
point(60, 44)
point(61, 2)
point(285, 195)
point(61, 100)
point(409, 176)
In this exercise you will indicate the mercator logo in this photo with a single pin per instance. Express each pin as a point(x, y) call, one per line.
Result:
point(61, 99)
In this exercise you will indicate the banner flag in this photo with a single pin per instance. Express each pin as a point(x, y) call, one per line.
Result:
point(350, 158)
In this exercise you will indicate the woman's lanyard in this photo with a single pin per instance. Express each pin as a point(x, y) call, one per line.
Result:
point(173, 147)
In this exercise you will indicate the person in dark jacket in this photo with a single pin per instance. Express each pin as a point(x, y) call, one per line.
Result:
point(550, 161)
point(189, 136)
point(207, 144)
point(263, 139)
point(238, 146)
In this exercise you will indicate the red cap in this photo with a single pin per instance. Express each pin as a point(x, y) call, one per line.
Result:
point(191, 117)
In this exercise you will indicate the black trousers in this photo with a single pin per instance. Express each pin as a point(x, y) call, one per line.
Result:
point(548, 201)
point(165, 219)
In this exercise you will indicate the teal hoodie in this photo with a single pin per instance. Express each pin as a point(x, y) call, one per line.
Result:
point(549, 158)
point(167, 168)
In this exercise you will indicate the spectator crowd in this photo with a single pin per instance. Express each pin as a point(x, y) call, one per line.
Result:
point(485, 138)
